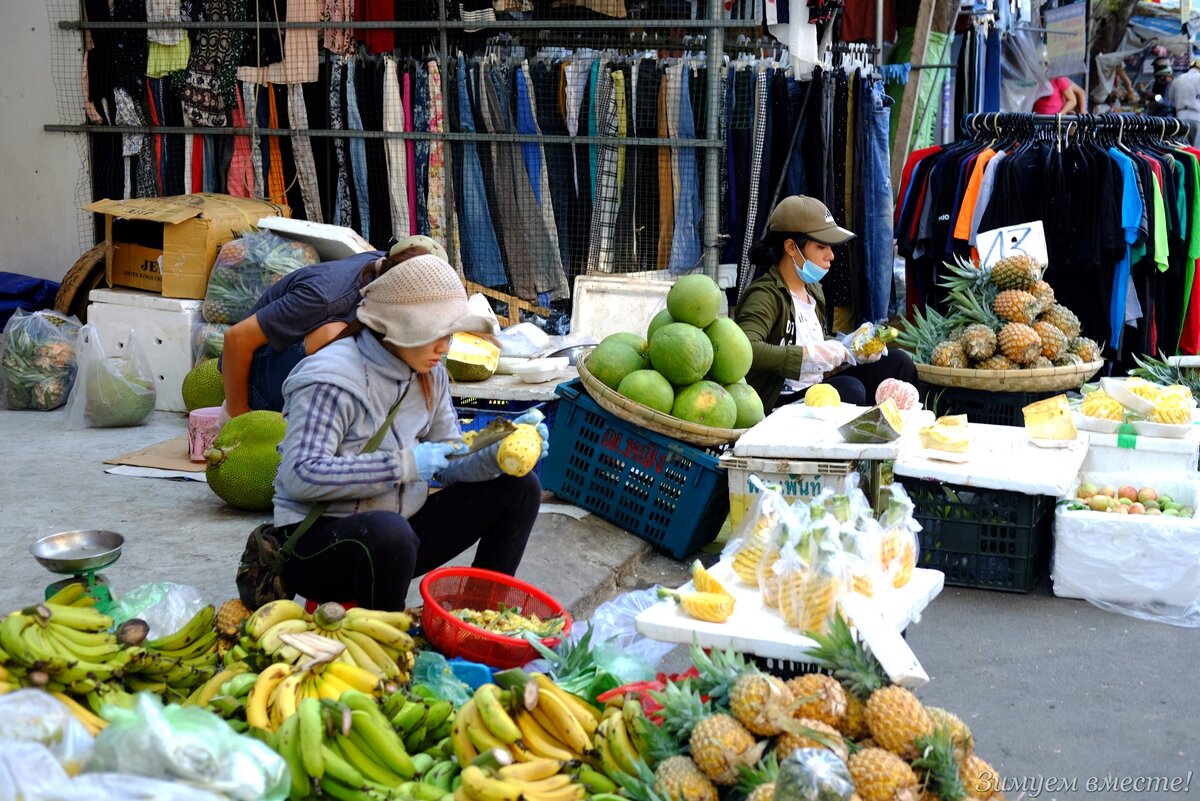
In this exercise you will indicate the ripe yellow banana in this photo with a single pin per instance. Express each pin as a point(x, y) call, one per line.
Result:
point(493, 714)
point(478, 732)
point(360, 658)
point(546, 785)
point(482, 787)
point(68, 594)
point(268, 615)
point(385, 665)
point(620, 745)
point(270, 641)
point(568, 792)
point(383, 742)
point(587, 715)
point(464, 749)
point(92, 640)
point(540, 741)
point(285, 698)
point(311, 736)
point(82, 618)
point(90, 720)
point(327, 685)
point(557, 718)
point(384, 633)
point(256, 703)
point(44, 653)
point(608, 763)
point(360, 679)
point(531, 771)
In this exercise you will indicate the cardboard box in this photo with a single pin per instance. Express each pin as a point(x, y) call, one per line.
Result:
point(168, 244)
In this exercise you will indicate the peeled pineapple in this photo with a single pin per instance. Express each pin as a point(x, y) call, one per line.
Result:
point(1173, 411)
point(1101, 405)
point(712, 607)
point(704, 581)
point(519, 451)
point(822, 395)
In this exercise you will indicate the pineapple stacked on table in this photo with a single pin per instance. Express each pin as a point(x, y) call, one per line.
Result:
point(1002, 317)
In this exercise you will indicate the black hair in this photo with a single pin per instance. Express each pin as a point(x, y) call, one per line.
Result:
point(768, 251)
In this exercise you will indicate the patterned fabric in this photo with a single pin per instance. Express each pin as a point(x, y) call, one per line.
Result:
point(306, 167)
point(164, 11)
point(745, 273)
point(276, 186)
point(250, 104)
point(540, 182)
point(134, 146)
point(435, 204)
point(342, 206)
point(208, 91)
point(240, 182)
point(604, 210)
point(410, 148)
point(395, 149)
point(339, 41)
point(300, 62)
point(420, 109)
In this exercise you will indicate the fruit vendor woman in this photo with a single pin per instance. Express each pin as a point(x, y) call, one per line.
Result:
point(783, 314)
point(383, 526)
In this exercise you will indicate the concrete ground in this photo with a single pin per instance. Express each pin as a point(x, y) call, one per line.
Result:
point(1058, 692)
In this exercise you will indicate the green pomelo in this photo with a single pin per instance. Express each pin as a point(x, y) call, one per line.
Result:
point(706, 403)
point(116, 395)
point(694, 299)
point(630, 339)
point(203, 386)
point(732, 355)
point(749, 405)
point(648, 388)
point(244, 458)
point(657, 322)
point(681, 352)
point(614, 359)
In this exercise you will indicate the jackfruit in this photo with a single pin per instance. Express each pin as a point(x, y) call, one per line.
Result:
point(471, 358)
point(203, 386)
point(519, 451)
point(116, 395)
point(244, 458)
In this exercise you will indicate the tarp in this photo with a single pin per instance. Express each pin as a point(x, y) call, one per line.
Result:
point(24, 292)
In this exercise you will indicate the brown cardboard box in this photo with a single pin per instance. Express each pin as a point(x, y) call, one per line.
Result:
point(168, 244)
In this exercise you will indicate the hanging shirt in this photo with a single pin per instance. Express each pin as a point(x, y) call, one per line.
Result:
point(1131, 215)
point(808, 332)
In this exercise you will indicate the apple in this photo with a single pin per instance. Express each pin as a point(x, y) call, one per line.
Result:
point(1137, 509)
point(1147, 494)
point(1098, 503)
point(1124, 501)
point(1120, 509)
point(1154, 511)
point(1086, 491)
point(1152, 504)
point(1128, 492)
point(1164, 499)
point(1108, 491)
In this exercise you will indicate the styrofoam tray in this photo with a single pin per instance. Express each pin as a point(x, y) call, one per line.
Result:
point(754, 628)
point(1115, 388)
point(943, 456)
point(538, 371)
point(1097, 424)
point(1145, 428)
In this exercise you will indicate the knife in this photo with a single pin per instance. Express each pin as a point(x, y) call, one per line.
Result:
point(490, 434)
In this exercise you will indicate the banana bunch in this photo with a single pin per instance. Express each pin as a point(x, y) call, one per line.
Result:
point(538, 779)
point(61, 647)
point(423, 723)
point(347, 749)
point(620, 744)
point(549, 723)
point(174, 665)
point(279, 690)
point(230, 696)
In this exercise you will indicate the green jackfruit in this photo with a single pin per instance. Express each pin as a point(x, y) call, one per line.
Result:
point(244, 458)
point(116, 395)
point(203, 386)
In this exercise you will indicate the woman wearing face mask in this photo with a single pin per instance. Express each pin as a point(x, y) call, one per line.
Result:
point(783, 313)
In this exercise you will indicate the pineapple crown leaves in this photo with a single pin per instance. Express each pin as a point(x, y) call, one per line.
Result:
point(638, 787)
point(660, 743)
point(719, 671)
point(682, 708)
point(963, 275)
point(751, 776)
point(573, 665)
point(848, 659)
point(940, 766)
point(922, 334)
point(1159, 371)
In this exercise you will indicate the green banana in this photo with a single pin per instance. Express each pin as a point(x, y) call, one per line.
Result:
point(595, 781)
point(312, 737)
point(384, 742)
point(194, 629)
point(270, 641)
point(422, 763)
point(442, 774)
point(438, 712)
point(337, 767)
point(287, 743)
point(239, 686)
point(339, 791)
point(367, 763)
point(358, 700)
point(199, 647)
point(427, 792)
point(408, 718)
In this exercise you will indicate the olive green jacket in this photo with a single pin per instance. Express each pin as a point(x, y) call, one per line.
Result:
point(768, 316)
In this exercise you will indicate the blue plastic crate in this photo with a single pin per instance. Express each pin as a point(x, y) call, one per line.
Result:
point(669, 493)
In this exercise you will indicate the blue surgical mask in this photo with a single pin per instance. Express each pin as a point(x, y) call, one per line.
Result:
point(810, 272)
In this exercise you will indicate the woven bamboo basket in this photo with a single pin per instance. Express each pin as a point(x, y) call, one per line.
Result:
point(651, 419)
point(1038, 379)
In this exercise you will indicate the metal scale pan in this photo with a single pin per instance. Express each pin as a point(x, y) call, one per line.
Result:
point(78, 552)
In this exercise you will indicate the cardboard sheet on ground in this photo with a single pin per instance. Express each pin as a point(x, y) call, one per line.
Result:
point(168, 459)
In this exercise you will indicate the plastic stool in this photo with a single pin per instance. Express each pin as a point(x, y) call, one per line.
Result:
point(311, 606)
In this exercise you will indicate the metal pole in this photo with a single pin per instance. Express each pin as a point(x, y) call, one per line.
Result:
point(878, 33)
point(714, 56)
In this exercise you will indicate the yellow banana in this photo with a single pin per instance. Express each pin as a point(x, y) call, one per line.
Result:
point(546, 785)
point(359, 678)
point(82, 618)
point(311, 734)
point(464, 749)
point(478, 732)
point(383, 742)
point(46, 654)
point(199, 626)
point(287, 696)
point(481, 787)
point(587, 715)
point(329, 686)
point(386, 665)
point(568, 792)
point(269, 614)
point(90, 720)
point(361, 658)
point(608, 763)
point(401, 620)
point(68, 594)
point(91, 640)
point(495, 717)
point(366, 762)
point(540, 741)
point(620, 745)
point(556, 717)
point(287, 743)
point(384, 633)
point(260, 693)
point(270, 641)
point(531, 771)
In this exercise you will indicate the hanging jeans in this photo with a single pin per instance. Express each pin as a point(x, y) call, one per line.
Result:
point(689, 212)
point(358, 151)
point(875, 116)
point(480, 249)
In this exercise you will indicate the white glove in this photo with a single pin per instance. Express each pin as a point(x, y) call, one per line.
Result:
point(854, 359)
point(825, 355)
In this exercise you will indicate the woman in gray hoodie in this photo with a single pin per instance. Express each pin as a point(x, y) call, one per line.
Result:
point(382, 526)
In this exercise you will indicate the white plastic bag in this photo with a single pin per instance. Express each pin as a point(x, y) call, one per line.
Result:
point(35, 716)
point(29, 772)
point(165, 606)
point(121, 787)
point(523, 340)
point(614, 626)
point(115, 384)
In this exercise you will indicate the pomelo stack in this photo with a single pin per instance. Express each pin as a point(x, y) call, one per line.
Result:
point(691, 365)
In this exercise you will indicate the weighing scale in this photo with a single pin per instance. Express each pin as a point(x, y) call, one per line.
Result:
point(80, 554)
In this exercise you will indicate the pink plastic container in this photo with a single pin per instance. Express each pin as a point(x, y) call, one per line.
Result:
point(203, 426)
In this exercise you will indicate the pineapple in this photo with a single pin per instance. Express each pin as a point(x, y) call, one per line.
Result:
point(924, 332)
point(1044, 293)
point(808, 733)
point(763, 792)
point(1144, 389)
point(1063, 319)
point(1173, 411)
point(981, 779)
point(966, 280)
point(758, 783)
point(1016, 272)
point(1019, 342)
point(997, 361)
point(939, 762)
point(678, 779)
point(854, 722)
point(748, 554)
point(948, 354)
point(978, 341)
point(882, 776)
point(760, 702)
point(897, 719)
point(960, 733)
point(1016, 306)
point(1054, 341)
point(1086, 349)
point(1068, 360)
point(1102, 405)
point(1158, 371)
point(1041, 361)
point(704, 581)
point(820, 698)
point(718, 743)
point(228, 621)
point(711, 607)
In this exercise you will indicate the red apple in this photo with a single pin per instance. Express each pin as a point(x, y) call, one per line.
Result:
point(1154, 511)
point(1120, 509)
point(1128, 492)
point(1137, 509)
point(1147, 494)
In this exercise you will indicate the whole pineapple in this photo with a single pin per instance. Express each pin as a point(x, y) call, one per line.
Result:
point(1086, 349)
point(948, 354)
point(897, 719)
point(818, 697)
point(960, 733)
point(981, 779)
point(1068, 360)
point(1041, 361)
point(978, 341)
point(882, 776)
point(1054, 341)
point(1016, 306)
point(760, 702)
point(1016, 272)
point(1063, 319)
point(854, 722)
point(758, 783)
point(810, 733)
point(1044, 293)
point(719, 744)
point(938, 765)
point(997, 361)
point(678, 779)
point(1019, 342)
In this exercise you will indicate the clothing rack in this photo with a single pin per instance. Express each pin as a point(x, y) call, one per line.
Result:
point(1001, 121)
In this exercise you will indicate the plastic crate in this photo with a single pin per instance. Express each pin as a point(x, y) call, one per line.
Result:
point(981, 406)
point(799, 479)
point(669, 493)
point(480, 412)
point(990, 539)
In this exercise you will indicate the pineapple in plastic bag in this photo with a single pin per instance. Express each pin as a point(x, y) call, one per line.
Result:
point(758, 528)
point(826, 581)
point(864, 558)
point(900, 544)
point(794, 522)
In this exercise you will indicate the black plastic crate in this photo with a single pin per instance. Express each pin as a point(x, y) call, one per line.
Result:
point(981, 406)
point(985, 538)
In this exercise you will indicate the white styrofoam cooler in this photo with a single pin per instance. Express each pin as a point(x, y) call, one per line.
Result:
point(1149, 454)
point(605, 304)
point(162, 327)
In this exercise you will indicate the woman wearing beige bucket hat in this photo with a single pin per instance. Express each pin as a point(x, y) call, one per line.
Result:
point(382, 526)
point(297, 316)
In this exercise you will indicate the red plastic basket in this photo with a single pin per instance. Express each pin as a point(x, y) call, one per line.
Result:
point(449, 588)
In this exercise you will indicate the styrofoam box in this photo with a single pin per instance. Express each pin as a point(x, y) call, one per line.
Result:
point(605, 304)
point(162, 327)
point(1129, 559)
point(1151, 454)
point(799, 480)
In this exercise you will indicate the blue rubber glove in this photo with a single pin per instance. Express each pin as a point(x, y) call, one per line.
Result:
point(531, 417)
point(545, 435)
point(433, 457)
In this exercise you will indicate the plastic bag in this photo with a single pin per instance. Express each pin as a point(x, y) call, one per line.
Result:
point(29, 772)
point(635, 657)
point(37, 363)
point(431, 670)
point(188, 744)
point(121, 787)
point(1023, 77)
point(760, 525)
point(244, 269)
point(208, 341)
point(111, 391)
point(166, 607)
point(861, 344)
point(814, 774)
point(901, 547)
point(523, 340)
point(35, 716)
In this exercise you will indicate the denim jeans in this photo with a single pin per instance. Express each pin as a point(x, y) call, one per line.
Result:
point(877, 195)
point(480, 249)
point(689, 213)
point(358, 152)
point(268, 369)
